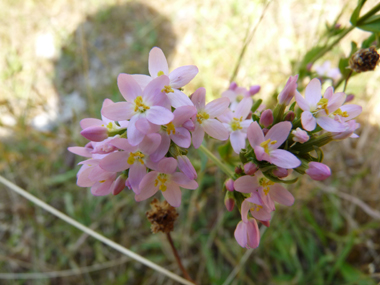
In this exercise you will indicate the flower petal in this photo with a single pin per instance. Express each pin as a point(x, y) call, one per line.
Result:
point(157, 62)
point(159, 115)
point(241, 234)
point(173, 194)
point(182, 114)
point(215, 129)
point(182, 75)
point(302, 103)
point(134, 135)
point(313, 92)
point(253, 234)
point(284, 159)
point(116, 161)
point(308, 121)
point(352, 110)
point(90, 122)
point(178, 98)
point(246, 184)
point(217, 107)
point(336, 101)
point(329, 124)
point(136, 175)
point(102, 189)
point(150, 143)
point(123, 144)
point(237, 139)
point(147, 186)
point(255, 134)
point(82, 151)
point(152, 94)
point(199, 98)
point(119, 111)
point(281, 195)
point(279, 132)
point(198, 136)
point(162, 149)
point(128, 87)
point(181, 137)
point(243, 108)
point(142, 79)
point(167, 165)
point(183, 181)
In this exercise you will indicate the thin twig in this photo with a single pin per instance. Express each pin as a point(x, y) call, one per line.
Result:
point(187, 276)
point(346, 81)
point(92, 233)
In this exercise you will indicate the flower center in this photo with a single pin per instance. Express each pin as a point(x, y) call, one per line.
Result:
point(265, 183)
point(167, 89)
point(340, 113)
point(266, 144)
point(140, 106)
point(161, 179)
point(202, 116)
point(256, 208)
point(170, 128)
point(322, 105)
point(133, 156)
point(160, 73)
point(235, 124)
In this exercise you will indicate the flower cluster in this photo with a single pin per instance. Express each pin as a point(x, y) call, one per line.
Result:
point(142, 142)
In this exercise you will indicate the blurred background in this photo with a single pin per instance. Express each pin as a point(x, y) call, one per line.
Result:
point(59, 59)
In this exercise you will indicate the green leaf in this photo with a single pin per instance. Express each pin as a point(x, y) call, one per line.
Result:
point(291, 108)
point(368, 42)
point(356, 13)
point(372, 24)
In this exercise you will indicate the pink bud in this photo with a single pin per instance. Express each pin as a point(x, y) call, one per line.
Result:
point(318, 171)
point(265, 130)
point(96, 133)
point(229, 203)
point(337, 26)
point(254, 89)
point(238, 170)
point(250, 168)
point(349, 98)
point(186, 167)
point(265, 223)
point(229, 185)
point(287, 94)
point(290, 116)
point(266, 118)
point(300, 135)
point(309, 66)
point(280, 172)
point(233, 86)
point(118, 185)
point(189, 125)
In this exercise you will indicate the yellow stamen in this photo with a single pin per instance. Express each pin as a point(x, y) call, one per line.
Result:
point(265, 183)
point(161, 178)
point(102, 181)
point(340, 113)
point(266, 143)
point(160, 73)
point(167, 89)
point(256, 208)
point(235, 124)
point(202, 116)
point(135, 156)
point(322, 104)
point(140, 106)
point(170, 128)
point(239, 98)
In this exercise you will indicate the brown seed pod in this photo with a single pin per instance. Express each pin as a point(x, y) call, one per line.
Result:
point(162, 216)
point(364, 60)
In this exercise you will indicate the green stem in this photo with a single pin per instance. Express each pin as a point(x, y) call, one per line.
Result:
point(220, 164)
point(371, 12)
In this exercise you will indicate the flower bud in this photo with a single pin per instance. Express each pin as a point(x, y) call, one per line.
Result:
point(309, 66)
point(266, 118)
point(189, 125)
point(287, 94)
point(95, 133)
point(318, 171)
point(281, 172)
point(229, 201)
point(349, 98)
point(300, 135)
point(290, 116)
point(250, 168)
point(229, 185)
point(186, 167)
point(233, 86)
point(118, 185)
point(265, 223)
point(238, 170)
point(265, 130)
point(254, 89)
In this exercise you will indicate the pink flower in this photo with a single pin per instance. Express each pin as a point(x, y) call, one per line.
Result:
point(247, 234)
point(256, 206)
point(287, 94)
point(236, 123)
point(318, 171)
point(250, 168)
point(266, 148)
point(178, 78)
point(349, 130)
point(184, 164)
point(326, 70)
point(266, 118)
point(167, 180)
point(236, 94)
point(229, 185)
point(317, 110)
point(142, 108)
point(134, 158)
point(300, 135)
point(205, 120)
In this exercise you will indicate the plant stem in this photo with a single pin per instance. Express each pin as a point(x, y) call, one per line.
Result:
point(367, 15)
point(187, 276)
point(220, 164)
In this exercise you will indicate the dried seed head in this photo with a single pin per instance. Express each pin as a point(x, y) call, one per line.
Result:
point(162, 216)
point(364, 60)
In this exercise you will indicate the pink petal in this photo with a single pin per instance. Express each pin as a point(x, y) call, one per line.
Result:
point(152, 94)
point(142, 79)
point(183, 181)
point(123, 144)
point(83, 179)
point(329, 124)
point(281, 195)
point(245, 206)
point(182, 114)
point(243, 108)
point(284, 159)
point(162, 149)
point(198, 136)
point(178, 99)
point(217, 107)
point(147, 186)
point(215, 129)
point(279, 132)
point(150, 143)
point(261, 215)
point(352, 110)
point(157, 62)
point(173, 194)
point(143, 125)
point(336, 101)
point(128, 87)
point(255, 134)
point(182, 75)
point(308, 121)
point(253, 234)
point(329, 93)
point(97, 174)
point(106, 102)
point(102, 189)
point(116, 161)
point(90, 122)
point(119, 111)
point(246, 184)
point(134, 135)
point(186, 167)
point(230, 94)
point(313, 92)
point(82, 151)
point(159, 115)
point(167, 165)
point(135, 175)
point(95, 133)
point(181, 137)
point(199, 98)
point(241, 234)
point(237, 139)
point(302, 103)
point(261, 154)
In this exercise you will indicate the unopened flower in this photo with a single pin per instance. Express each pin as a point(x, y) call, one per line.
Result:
point(300, 135)
point(266, 118)
point(247, 233)
point(184, 164)
point(287, 94)
point(318, 171)
point(229, 185)
point(250, 168)
point(281, 172)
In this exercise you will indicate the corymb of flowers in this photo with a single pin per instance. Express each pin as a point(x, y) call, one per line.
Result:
point(141, 144)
